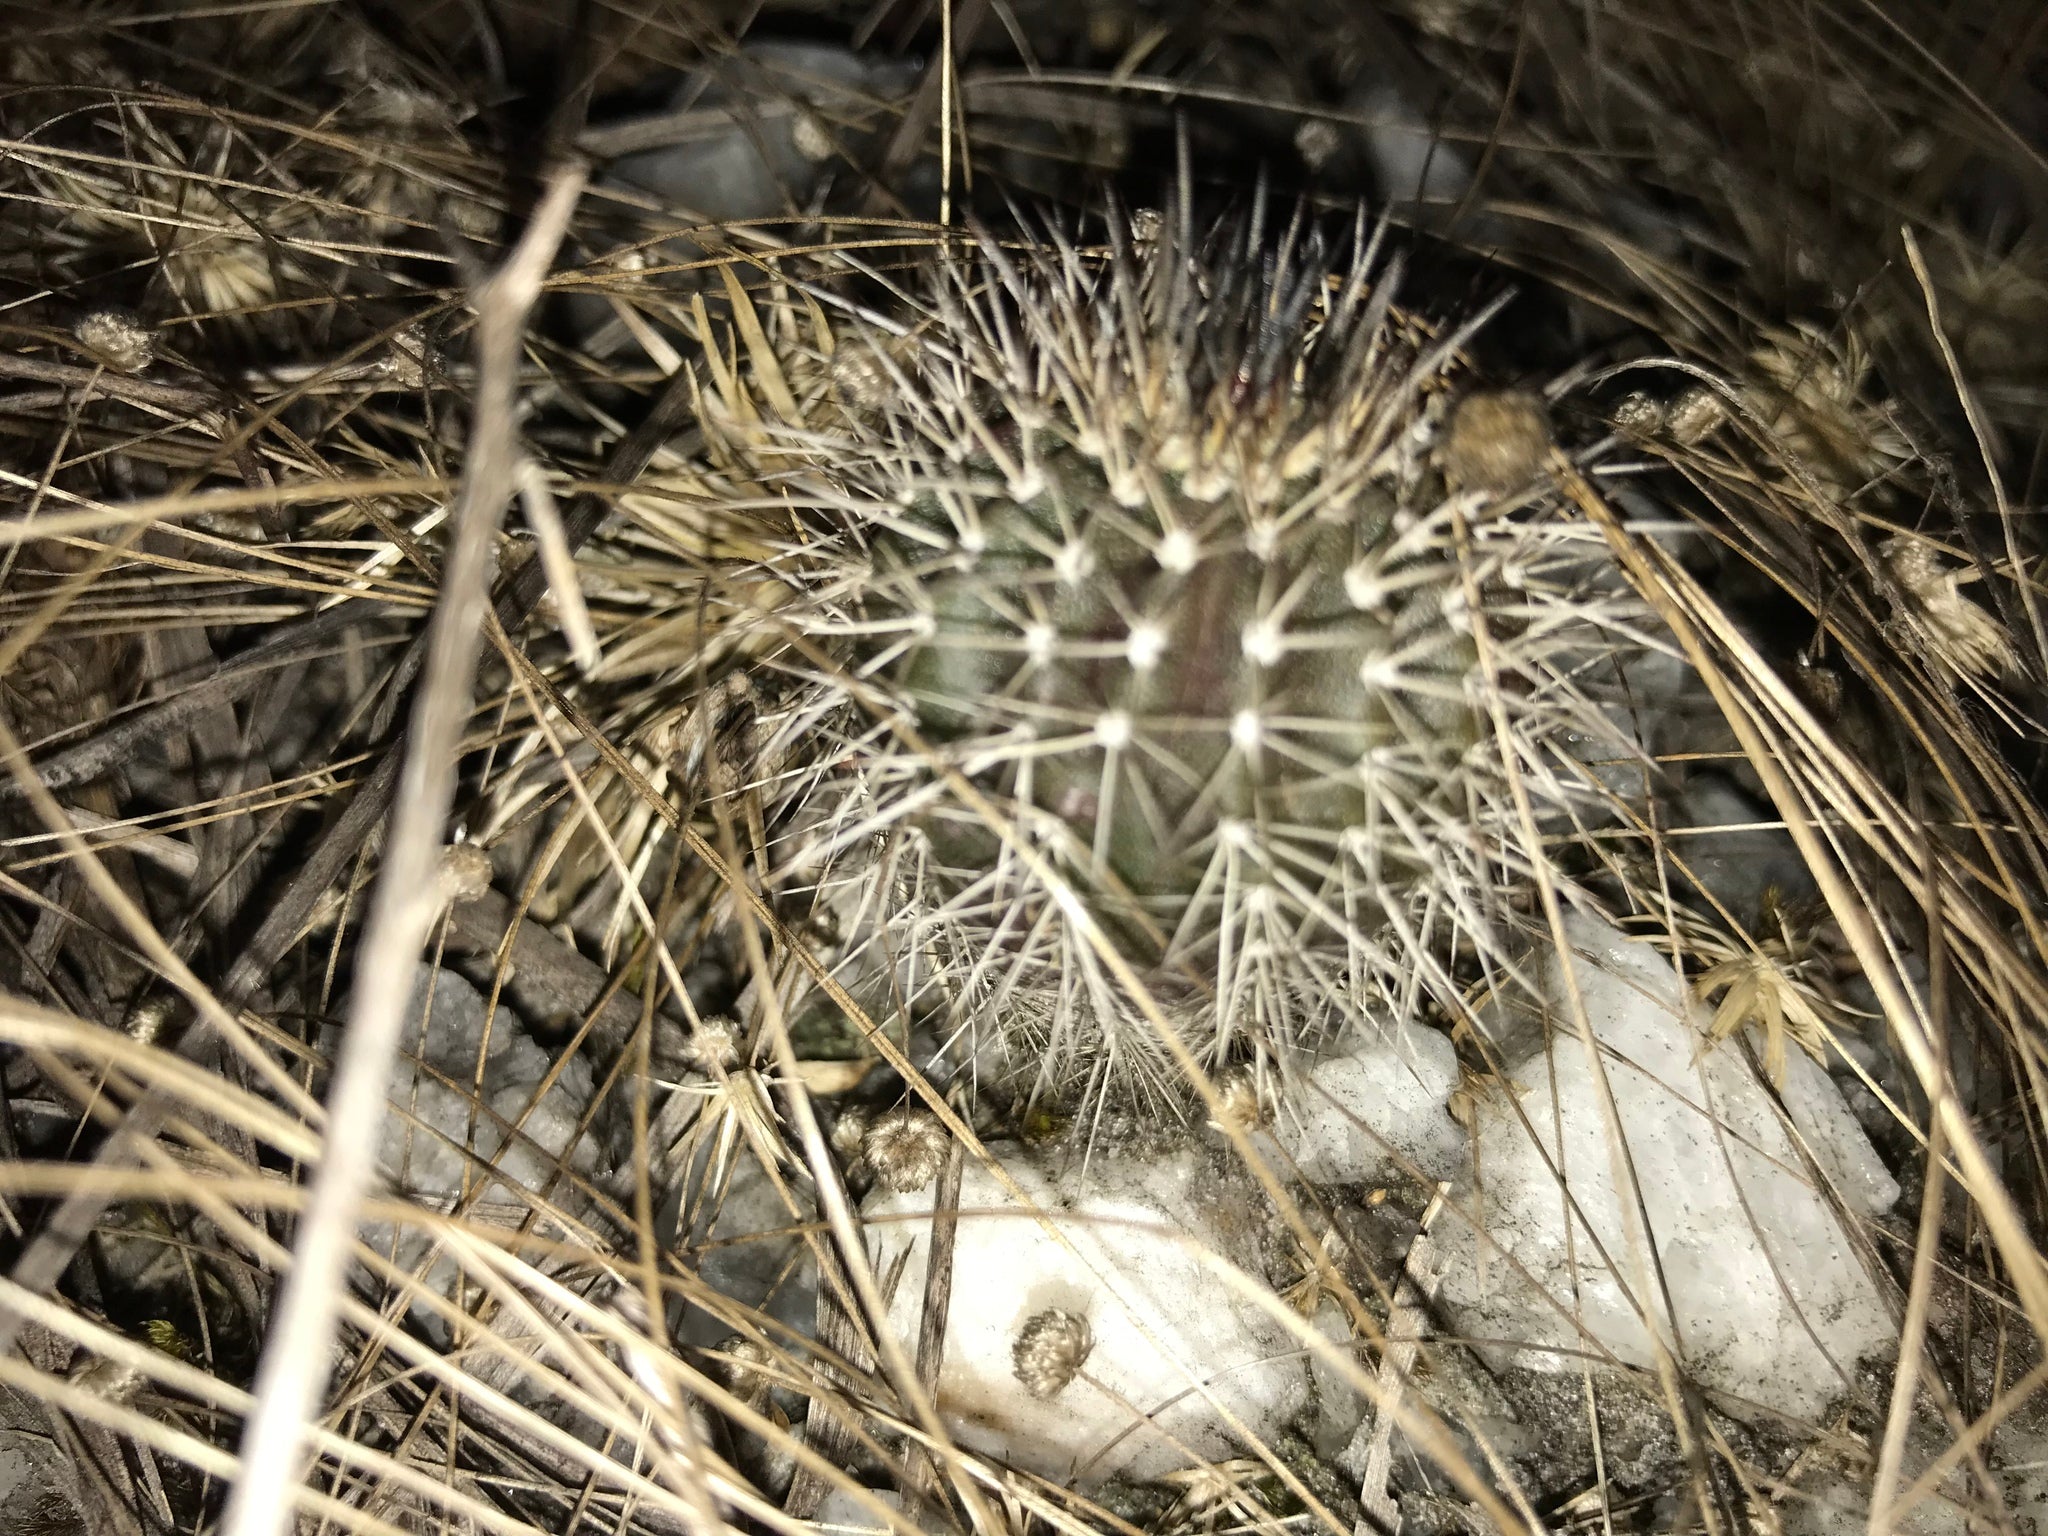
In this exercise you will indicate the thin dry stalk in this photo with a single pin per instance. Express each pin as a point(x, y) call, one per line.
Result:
point(296, 1357)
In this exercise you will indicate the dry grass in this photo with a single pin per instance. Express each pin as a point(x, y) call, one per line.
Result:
point(215, 577)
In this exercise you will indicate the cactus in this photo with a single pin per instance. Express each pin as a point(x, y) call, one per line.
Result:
point(1132, 601)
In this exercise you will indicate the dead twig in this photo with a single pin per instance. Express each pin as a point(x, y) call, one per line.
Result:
point(1407, 1320)
point(294, 1366)
point(119, 735)
point(938, 1294)
point(289, 909)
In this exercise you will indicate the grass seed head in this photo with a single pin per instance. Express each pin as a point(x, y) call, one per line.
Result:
point(1814, 394)
point(1960, 636)
point(1780, 981)
point(905, 1148)
point(1638, 415)
point(1695, 416)
point(1498, 441)
point(1050, 1350)
point(116, 338)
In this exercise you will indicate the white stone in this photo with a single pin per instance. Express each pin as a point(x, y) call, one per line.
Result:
point(1834, 1138)
point(1834, 1500)
point(2019, 1459)
point(747, 168)
point(1356, 1116)
point(1341, 1408)
point(1135, 1229)
point(1409, 157)
point(1770, 1301)
point(841, 1514)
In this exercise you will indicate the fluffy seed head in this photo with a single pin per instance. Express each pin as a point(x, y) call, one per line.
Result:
point(1637, 415)
point(1695, 416)
point(849, 1131)
point(117, 338)
point(714, 1045)
point(1317, 141)
point(465, 872)
point(1239, 1103)
point(146, 1020)
point(1050, 1350)
point(1497, 442)
point(742, 1369)
point(906, 1148)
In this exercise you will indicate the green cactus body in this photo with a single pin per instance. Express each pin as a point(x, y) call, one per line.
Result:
point(1155, 549)
point(1163, 695)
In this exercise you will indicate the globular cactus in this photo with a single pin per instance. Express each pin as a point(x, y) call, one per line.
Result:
point(1182, 596)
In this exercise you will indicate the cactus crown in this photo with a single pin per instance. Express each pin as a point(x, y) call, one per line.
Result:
point(1133, 598)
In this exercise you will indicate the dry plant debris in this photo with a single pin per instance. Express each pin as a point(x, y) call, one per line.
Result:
point(747, 745)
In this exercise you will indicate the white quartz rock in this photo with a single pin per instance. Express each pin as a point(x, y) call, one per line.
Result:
point(841, 1514)
point(1834, 1500)
point(1161, 1319)
point(1353, 1116)
point(1833, 1136)
point(1769, 1299)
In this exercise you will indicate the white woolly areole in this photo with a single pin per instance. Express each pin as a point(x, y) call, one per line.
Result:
point(1362, 585)
point(1177, 552)
point(1262, 642)
point(1113, 729)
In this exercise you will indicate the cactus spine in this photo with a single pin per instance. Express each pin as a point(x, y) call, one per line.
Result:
point(1170, 594)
